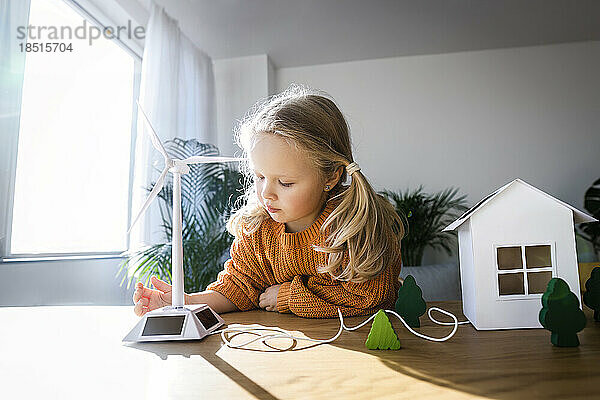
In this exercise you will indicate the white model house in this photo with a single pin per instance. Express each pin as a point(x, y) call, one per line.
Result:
point(511, 244)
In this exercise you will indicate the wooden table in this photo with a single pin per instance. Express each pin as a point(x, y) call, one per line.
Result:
point(77, 353)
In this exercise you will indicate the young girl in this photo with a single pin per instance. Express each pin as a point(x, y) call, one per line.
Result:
point(305, 243)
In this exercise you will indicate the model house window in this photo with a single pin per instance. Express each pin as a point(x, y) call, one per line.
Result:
point(71, 190)
point(523, 270)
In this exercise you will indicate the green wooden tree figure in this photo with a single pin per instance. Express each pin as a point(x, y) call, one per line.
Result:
point(561, 314)
point(382, 335)
point(410, 304)
point(591, 297)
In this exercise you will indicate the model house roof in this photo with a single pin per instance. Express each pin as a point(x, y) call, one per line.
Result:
point(578, 216)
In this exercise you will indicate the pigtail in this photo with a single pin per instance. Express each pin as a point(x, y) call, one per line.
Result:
point(364, 230)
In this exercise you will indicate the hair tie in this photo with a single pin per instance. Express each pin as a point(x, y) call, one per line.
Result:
point(352, 168)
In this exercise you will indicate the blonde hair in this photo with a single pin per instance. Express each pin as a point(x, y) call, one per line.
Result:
point(364, 225)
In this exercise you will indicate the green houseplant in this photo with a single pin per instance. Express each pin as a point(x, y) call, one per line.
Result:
point(426, 215)
point(589, 250)
point(591, 230)
point(208, 193)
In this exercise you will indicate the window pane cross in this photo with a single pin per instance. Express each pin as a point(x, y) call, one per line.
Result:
point(524, 269)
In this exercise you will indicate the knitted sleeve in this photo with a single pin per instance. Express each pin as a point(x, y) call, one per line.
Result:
point(320, 296)
point(241, 281)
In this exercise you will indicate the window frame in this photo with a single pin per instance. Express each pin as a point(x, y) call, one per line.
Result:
point(523, 270)
point(6, 255)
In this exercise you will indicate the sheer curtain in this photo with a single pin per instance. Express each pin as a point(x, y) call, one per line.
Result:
point(13, 14)
point(178, 95)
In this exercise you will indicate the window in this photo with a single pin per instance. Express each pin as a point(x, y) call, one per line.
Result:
point(72, 180)
point(523, 270)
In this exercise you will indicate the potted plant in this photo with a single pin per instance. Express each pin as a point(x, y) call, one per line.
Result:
point(208, 193)
point(590, 232)
point(426, 215)
point(591, 202)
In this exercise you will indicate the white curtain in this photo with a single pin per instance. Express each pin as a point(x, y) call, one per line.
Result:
point(13, 14)
point(177, 93)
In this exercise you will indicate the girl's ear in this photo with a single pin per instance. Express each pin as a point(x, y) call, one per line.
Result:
point(335, 178)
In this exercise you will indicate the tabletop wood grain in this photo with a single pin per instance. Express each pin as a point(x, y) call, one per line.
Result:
point(76, 352)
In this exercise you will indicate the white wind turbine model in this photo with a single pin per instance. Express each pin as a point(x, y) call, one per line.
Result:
point(175, 322)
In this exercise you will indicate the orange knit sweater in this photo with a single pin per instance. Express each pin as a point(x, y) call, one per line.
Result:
point(270, 256)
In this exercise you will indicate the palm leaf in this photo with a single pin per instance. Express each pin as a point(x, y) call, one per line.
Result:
point(208, 193)
point(591, 230)
point(426, 216)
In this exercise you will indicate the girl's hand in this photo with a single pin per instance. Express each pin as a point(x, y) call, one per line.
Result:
point(268, 300)
point(146, 299)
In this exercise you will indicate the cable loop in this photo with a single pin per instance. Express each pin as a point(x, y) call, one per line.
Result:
point(278, 333)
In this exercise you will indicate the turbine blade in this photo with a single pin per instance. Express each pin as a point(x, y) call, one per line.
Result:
point(209, 159)
point(157, 187)
point(153, 135)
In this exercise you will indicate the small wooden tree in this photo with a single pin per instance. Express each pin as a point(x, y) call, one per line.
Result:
point(591, 297)
point(561, 314)
point(410, 304)
point(382, 335)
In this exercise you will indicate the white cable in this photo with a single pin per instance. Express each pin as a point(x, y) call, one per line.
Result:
point(429, 337)
point(443, 323)
point(455, 323)
point(264, 338)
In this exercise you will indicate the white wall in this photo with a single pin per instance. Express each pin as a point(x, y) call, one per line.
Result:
point(239, 83)
point(472, 120)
